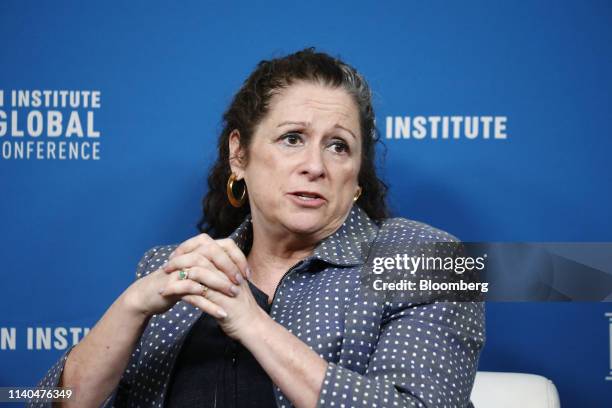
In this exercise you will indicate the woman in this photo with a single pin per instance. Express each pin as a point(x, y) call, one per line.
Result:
point(274, 315)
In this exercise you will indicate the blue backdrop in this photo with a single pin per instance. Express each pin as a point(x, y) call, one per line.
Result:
point(72, 231)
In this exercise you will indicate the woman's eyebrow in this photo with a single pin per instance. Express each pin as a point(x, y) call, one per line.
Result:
point(307, 124)
point(304, 124)
point(348, 130)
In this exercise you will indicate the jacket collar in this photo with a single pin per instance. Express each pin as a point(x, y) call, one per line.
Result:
point(347, 246)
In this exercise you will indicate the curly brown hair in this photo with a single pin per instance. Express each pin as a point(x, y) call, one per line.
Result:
point(251, 104)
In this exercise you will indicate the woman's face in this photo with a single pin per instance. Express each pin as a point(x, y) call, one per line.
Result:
point(304, 160)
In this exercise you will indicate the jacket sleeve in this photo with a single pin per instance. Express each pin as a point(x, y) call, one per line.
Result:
point(52, 377)
point(426, 356)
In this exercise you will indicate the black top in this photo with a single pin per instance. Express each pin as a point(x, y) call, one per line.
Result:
point(212, 370)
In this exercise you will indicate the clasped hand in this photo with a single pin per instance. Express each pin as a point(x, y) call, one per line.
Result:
point(217, 273)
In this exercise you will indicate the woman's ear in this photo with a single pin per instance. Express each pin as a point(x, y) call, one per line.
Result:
point(236, 154)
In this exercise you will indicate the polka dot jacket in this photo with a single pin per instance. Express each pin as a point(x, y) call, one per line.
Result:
point(380, 353)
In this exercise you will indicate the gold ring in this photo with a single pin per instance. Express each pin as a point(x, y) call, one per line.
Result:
point(204, 290)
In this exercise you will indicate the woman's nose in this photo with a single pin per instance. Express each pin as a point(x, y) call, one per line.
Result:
point(313, 164)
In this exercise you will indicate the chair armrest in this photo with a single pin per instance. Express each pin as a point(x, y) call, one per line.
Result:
point(500, 390)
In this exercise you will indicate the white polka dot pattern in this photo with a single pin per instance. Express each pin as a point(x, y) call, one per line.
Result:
point(380, 353)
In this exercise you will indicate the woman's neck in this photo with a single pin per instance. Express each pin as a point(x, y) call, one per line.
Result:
point(273, 253)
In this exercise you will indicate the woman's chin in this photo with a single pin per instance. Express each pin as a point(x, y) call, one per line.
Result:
point(304, 224)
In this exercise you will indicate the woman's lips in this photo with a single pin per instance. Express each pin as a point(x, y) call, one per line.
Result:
point(308, 202)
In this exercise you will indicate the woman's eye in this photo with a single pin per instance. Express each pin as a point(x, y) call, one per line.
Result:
point(339, 147)
point(292, 139)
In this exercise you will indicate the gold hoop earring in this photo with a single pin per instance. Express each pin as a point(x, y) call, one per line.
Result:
point(235, 202)
point(357, 195)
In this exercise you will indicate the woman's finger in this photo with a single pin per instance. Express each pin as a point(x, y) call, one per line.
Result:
point(186, 261)
point(182, 287)
point(212, 257)
point(234, 266)
point(191, 244)
point(213, 279)
point(221, 260)
point(236, 254)
point(205, 305)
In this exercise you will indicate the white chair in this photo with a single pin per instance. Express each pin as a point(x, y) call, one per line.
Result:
point(511, 390)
